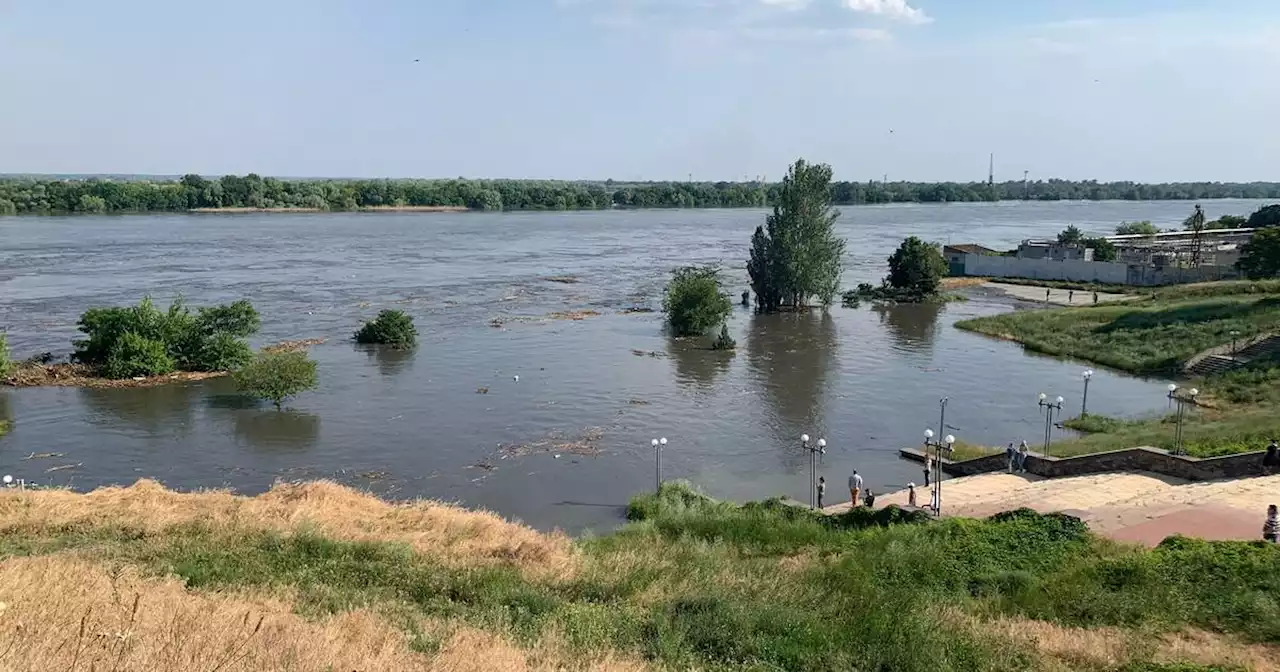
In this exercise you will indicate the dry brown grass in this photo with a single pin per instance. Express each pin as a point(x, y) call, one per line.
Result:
point(1069, 648)
point(64, 613)
point(79, 375)
point(455, 536)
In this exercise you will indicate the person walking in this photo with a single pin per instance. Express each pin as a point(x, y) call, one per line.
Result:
point(1071, 295)
point(822, 490)
point(1272, 527)
point(1012, 454)
point(1046, 294)
point(1271, 459)
point(855, 489)
point(1022, 457)
point(1095, 298)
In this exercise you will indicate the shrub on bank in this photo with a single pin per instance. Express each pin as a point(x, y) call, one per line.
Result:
point(142, 340)
point(276, 376)
point(391, 327)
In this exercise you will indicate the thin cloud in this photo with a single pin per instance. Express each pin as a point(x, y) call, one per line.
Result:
point(893, 9)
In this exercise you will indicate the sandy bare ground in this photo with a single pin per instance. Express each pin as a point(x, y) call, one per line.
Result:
point(1132, 506)
point(1059, 297)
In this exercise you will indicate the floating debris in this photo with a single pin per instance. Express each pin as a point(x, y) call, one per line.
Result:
point(638, 402)
point(647, 353)
point(584, 444)
point(293, 346)
point(65, 466)
point(373, 475)
point(563, 279)
point(482, 390)
point(482, 465)
point(636, 309)
point(42, 456)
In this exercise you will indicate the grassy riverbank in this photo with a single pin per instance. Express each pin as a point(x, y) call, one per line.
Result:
point(315, 575)
point(1157, 336)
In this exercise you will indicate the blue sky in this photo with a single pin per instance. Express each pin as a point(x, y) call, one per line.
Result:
point(1148, 90)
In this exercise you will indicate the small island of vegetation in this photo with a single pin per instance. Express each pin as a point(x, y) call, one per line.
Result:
point(391, 327)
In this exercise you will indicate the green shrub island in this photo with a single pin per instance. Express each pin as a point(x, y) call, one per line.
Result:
point(694, 302)
point(143, 340)
point(275, 376)
point(6, 364)
point(391, 327)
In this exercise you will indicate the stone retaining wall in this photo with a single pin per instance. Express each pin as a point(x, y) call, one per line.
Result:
point(1154, 460)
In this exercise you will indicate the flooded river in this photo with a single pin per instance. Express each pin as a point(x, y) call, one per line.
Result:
point(568, 443)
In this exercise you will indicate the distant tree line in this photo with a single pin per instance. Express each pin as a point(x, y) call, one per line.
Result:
point(22, 195)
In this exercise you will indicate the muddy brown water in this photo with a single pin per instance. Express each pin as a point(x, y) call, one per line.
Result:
point(567, 444)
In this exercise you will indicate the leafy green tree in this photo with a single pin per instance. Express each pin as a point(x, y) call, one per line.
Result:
point(1260, 257)
point(1144, 228)
point(694, 302)
point(7, 207)
point(1072, 235)
point(212, 339)
point(276, 376)
point(133, 355)
point(391, 327)
point(1228, 222)
point(89, 203)
point(916, 268)
point(1103, 249)
point(1267, 215)
point(796, 254)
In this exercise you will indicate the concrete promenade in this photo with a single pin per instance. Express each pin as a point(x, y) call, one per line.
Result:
point(1130, 506)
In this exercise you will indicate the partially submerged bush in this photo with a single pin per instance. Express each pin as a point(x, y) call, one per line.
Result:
point(6, 364)
point(391, 327)
point(276, 376)
point(694, 302)
point(122, 340)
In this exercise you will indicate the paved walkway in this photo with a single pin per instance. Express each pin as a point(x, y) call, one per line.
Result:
point(1137, 506)
point(1061, 297)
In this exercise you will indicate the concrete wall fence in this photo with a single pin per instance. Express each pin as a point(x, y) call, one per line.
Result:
point(1077, 270)
point(1153, 460)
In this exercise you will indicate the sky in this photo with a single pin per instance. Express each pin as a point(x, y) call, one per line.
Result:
point(1143, 90)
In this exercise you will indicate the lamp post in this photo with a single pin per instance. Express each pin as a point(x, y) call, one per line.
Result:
point(814, 451)
point(942, 415)
point(1182, 400)
point(1048, 407)
point(1235, 335)
point(947, 445)
point(1084, 403)
point(658, 445)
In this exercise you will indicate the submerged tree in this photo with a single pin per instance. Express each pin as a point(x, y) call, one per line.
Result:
point(694, 302)
point(916, 268)
point(276, 376)
point(796, 255)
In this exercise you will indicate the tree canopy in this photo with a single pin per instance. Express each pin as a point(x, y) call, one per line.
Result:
point(1072, 235)
point(276, 376)
point(796, 255)
point(43, 195)
point(1144, 228)
point(1267, 215)
point(391, 327)
point(694, 302)
point(1260, 257)
point(916, 268)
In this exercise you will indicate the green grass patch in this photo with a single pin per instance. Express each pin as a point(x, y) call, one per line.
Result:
point(1205, 433)
point(696, 583)
point(1146, 338)
point(1097, 424)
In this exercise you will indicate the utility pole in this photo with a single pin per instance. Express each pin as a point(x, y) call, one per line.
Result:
point(991, 172)
point(1026, 186)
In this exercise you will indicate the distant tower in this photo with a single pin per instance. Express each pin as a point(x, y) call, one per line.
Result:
point(1026, 186)
point(991, 171)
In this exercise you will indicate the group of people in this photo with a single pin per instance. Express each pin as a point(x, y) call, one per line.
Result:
point(1017, 458)
point(856, 491)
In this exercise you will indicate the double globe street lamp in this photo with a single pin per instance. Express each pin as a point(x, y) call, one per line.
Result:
point(1182, 399)
point(1048, 407)
point(820, 448)
point(947, 445)
point(658, 445)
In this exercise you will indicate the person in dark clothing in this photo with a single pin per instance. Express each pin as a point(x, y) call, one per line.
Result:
point(869, 498)
point(1095, 298)
point(1272, 459)
point(928, 468)
point(822, 490)
point(1071, 296)
point(1272, 527)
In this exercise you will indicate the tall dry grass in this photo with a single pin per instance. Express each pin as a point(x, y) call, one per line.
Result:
point(455, 536)
point(63, 613)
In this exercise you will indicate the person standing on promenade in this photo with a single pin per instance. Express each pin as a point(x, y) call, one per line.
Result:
point(1012, 454)
point(928, 468)
point(1095, 298)
point(1046, 294)
point(1272, 527)
point(1022, 457)
point(855, 489)
point(911, 495)
point(1071, 296)
point(822, 490)
point(1272, 459)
